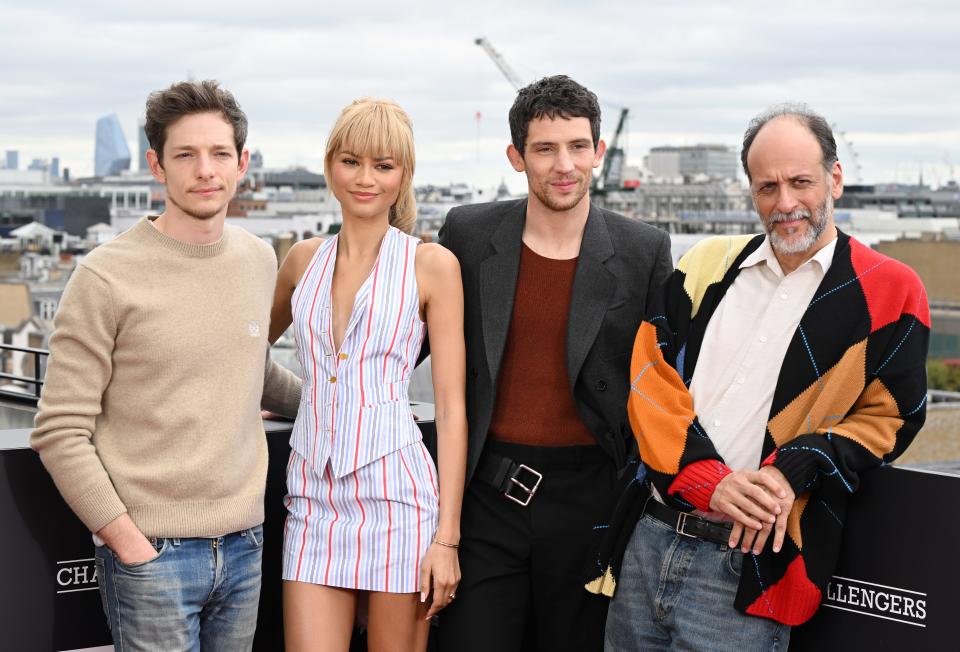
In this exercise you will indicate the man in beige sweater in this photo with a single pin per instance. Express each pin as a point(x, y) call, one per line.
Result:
point(149, 421)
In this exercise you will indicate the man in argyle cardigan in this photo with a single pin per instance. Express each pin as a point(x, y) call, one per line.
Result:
point(780, 368)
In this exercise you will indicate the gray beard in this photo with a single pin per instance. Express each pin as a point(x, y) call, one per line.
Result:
point(818, 223)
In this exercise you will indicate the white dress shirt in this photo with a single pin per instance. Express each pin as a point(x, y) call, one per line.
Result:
point(743, 349)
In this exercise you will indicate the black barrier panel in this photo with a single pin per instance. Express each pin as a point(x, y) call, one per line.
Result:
point(896, 584)
point(893, 589)
point(49, 598)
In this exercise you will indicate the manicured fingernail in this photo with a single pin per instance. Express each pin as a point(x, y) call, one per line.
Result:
point(423, 597)
point(732, 543)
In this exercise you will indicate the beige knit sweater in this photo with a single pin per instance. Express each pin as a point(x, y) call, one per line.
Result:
point(151, 402)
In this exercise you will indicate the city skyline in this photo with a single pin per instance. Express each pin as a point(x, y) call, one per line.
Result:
point(690, 72)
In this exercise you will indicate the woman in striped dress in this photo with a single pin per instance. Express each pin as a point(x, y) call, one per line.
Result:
point(367, 509)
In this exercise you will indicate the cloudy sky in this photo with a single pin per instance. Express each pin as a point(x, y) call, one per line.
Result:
point(689, 70)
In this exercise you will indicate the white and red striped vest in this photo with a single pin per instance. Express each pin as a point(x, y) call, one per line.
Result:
point(354, 408)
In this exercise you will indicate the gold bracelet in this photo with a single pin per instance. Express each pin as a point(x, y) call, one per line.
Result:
point(445, 544)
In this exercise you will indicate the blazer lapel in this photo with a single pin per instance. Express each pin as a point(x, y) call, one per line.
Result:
point(498, 285)
point(593, 285)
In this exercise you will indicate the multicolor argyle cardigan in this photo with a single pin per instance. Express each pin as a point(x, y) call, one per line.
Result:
point(850, 396)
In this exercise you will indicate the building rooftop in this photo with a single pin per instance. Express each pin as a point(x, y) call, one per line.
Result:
point(297, 178)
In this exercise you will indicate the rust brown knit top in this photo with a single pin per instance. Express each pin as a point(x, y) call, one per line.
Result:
point(534, 404)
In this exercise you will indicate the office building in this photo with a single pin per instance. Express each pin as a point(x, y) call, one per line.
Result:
point(693, 162)
point(112, 154)
point(906, 201)
point(144, 146)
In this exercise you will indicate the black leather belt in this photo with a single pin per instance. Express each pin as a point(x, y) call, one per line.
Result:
point(517, 482)
point(689, 525)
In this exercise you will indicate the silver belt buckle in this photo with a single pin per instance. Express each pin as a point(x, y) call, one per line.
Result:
point(530, 491)
point(682, 524)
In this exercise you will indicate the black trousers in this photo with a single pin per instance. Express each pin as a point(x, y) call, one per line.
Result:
point(523, 568)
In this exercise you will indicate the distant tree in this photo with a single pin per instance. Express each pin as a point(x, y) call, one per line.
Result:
point(940, 375)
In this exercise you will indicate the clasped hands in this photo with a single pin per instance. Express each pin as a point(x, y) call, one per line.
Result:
point(759, 503)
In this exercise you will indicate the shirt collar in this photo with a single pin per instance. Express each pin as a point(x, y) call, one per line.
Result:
point(764, 254)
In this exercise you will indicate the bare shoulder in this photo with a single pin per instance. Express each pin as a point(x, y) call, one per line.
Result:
point(433, 258)
point(438, 271)
point(301, 253)
point(306, 248)
point(295, 263)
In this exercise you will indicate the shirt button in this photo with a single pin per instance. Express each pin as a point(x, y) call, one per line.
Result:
point(763, 338)
point(783, 295)
point(716, 423)
point(741, 380)
point(343, 356)
point(333, 379)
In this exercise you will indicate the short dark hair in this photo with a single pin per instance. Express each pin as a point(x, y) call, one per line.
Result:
point(551, 97)
point(186, 98)
point(809, 118)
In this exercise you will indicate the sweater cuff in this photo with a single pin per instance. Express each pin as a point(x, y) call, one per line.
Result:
point(696, 482)
point(799, 469)
point(98, 507)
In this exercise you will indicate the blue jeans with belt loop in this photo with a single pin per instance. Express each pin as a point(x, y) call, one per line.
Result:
point(676, 593)
point(195, 594)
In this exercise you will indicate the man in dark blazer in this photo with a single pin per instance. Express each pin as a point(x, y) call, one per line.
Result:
point(554, 291)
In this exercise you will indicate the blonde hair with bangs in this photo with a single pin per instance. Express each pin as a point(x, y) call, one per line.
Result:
point(375, 128)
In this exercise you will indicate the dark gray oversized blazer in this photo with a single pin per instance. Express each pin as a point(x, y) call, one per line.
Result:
point(622, 261)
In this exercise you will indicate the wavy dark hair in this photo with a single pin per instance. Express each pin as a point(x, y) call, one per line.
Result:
point(552, 97)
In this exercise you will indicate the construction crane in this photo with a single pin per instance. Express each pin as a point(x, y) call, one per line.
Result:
point(502, 64)
point(611, 174)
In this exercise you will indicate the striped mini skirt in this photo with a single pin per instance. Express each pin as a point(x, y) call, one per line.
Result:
point(367, 530)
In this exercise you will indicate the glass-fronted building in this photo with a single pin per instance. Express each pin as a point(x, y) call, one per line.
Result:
point(112, 154)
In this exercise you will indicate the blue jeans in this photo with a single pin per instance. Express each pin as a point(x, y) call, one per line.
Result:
point(676, 593)
point(196, 594)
